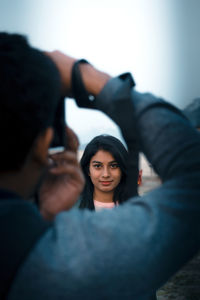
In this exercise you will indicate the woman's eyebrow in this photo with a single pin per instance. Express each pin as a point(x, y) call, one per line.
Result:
point(99, 162)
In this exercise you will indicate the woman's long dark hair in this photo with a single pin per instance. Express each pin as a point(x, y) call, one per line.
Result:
point(116, 148)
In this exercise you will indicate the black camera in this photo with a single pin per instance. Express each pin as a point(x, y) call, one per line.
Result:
point(59, 142)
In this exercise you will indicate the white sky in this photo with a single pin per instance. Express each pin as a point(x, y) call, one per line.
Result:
point(156, 40)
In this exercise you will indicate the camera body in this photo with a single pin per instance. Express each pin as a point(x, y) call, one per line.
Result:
point(59, 142)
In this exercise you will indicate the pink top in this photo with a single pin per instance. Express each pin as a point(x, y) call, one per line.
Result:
point(101, 205)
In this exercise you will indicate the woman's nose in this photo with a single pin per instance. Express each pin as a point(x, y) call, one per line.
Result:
point(105, 172)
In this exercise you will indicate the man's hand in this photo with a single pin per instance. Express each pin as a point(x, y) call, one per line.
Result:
point(63, 182)
point(93, 79)
point(64, 64)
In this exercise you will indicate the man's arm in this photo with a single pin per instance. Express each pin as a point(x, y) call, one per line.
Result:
point(93, 79)
point(152, 236)
point(162, 132)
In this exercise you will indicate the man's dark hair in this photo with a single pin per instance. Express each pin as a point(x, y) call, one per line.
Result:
point(29, 93)
point(116, 148)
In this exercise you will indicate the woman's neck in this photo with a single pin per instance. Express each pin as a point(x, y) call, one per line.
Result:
point(103, 197)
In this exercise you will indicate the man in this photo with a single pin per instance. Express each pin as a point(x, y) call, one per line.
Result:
point(126, 253)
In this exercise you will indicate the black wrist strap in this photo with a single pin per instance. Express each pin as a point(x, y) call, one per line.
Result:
point(82, 97)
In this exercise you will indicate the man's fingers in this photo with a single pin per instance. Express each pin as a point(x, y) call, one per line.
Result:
point(64, 158)
point(72, 139)
point(68, 169)
point(66, 163)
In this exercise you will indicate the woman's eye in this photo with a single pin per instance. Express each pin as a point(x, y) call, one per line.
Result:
point(114, 166)
point(97, 166)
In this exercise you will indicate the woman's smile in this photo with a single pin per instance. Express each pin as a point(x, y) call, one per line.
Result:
point(106, 182)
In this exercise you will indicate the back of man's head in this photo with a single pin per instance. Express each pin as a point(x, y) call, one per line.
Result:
point(29, 93)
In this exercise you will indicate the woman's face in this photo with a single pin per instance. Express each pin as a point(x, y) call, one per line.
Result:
point(104, 171)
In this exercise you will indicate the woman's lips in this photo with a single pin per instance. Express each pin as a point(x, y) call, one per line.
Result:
point(105, 182)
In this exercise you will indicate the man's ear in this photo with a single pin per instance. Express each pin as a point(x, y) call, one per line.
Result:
point(41, 146)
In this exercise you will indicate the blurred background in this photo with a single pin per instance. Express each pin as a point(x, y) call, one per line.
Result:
point(156, 40)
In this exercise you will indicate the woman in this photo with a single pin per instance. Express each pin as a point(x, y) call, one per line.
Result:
point(104, 164)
